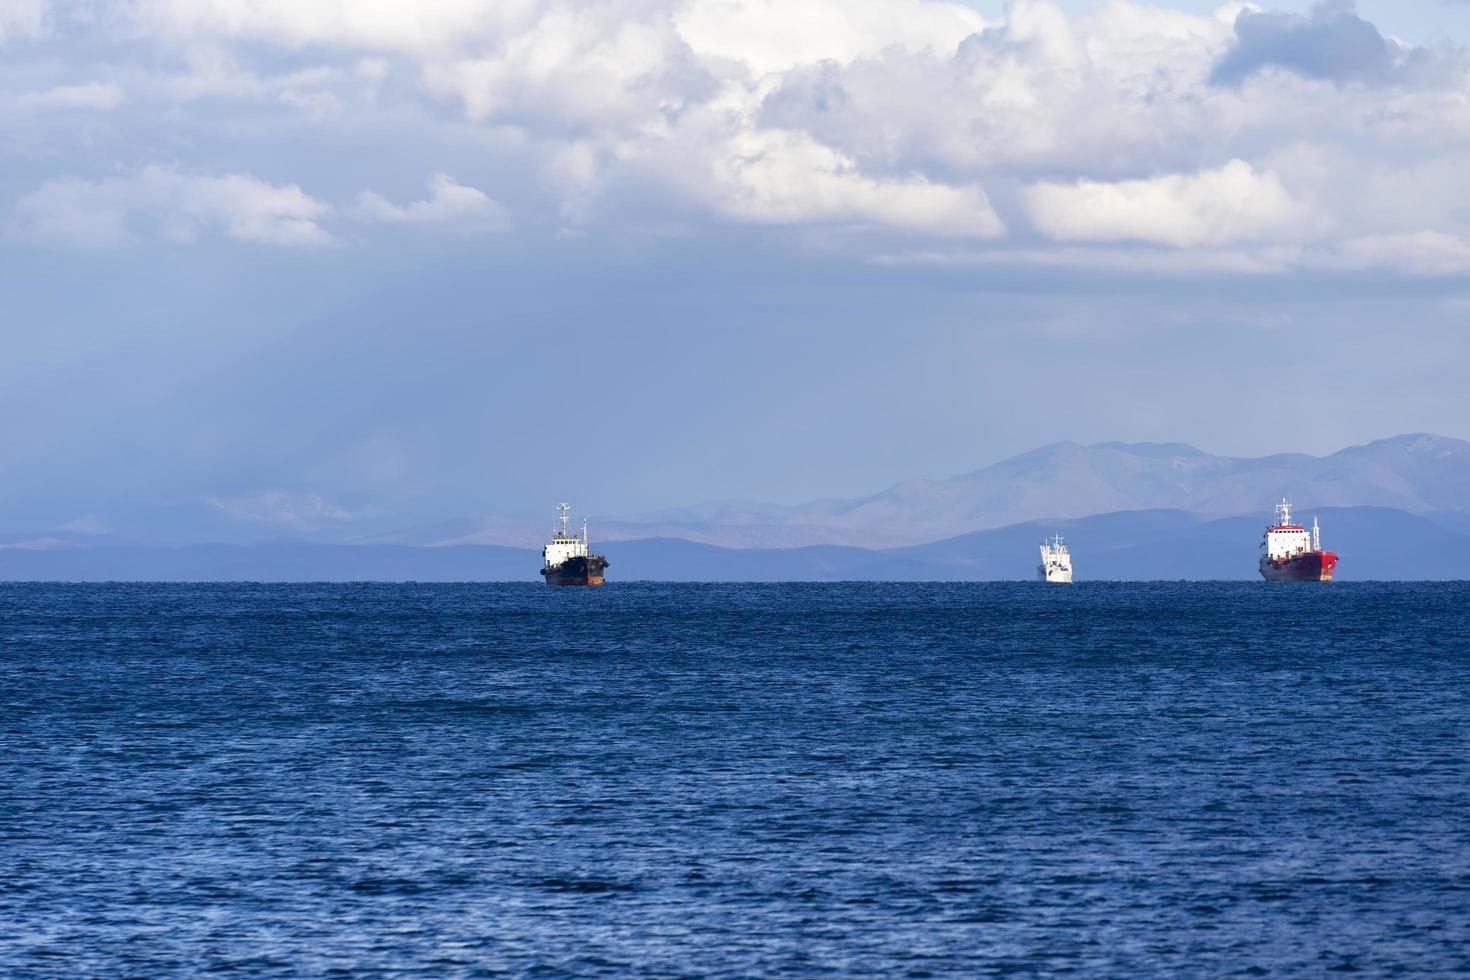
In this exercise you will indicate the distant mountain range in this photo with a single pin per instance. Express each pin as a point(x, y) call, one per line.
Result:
point(1397, 508)
point(1375, 543)
point(1420, 474)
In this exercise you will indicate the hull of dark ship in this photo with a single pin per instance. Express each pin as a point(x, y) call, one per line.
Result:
point(1314, 566)
point(577, 571)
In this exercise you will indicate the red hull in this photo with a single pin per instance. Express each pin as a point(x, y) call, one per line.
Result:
point(1313, 566)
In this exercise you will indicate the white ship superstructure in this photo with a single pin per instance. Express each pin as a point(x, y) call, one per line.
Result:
point(563, 545)
point(1285, 539)
point(1056, 561)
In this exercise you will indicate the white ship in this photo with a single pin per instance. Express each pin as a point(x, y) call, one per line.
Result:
point(1056, 561)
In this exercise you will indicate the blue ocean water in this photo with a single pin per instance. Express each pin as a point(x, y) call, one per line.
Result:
point(908, 780)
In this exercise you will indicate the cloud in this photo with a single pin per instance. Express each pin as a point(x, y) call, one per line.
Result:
point(448, 202)
point(713, 167)
point(1420, 253)
point(39, 544)
point(578, 69)
point(92, 95)
point(164, 203)
point(383, 25)
point(22, 18)
point(1332, 42)
point(315, 104)
point(787, 178)
point(1233, 203)
point(85, 524)
point(1117, 90)
point(1126, 123)
point(303, 511)
point(1128, 258)
point(769, 36)
point(761, 35)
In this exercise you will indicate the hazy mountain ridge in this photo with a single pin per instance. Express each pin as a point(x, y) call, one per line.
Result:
point(1418, 473)
point(1375, 543)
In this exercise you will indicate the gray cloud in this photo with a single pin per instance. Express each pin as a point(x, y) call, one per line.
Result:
point(1332, 42)
point(654, 117)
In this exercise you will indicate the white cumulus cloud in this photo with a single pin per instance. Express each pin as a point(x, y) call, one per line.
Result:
point(766, 36)
point(386, 25)
point(449, 202)
point(577, 69)
point(1232, 203)
point(789, 178)
point(165, 203)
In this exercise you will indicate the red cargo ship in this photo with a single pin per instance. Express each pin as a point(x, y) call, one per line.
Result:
point(1291, 555)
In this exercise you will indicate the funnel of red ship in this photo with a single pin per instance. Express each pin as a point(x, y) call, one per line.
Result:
point(1289, 553)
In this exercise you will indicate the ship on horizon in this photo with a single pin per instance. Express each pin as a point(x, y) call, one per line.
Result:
point(1290, 554)
point(1056, 561)
point(566, 559)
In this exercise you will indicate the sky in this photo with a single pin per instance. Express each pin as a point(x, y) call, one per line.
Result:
point(346, 266)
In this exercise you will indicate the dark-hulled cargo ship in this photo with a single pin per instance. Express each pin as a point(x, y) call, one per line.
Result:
point(566, 560)
point(1291, 555)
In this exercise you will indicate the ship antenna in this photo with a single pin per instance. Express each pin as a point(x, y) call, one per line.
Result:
point(562, 512)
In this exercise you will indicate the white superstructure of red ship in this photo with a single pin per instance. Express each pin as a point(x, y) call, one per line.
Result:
point(1289, 553)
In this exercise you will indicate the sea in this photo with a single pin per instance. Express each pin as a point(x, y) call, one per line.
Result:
point(905, 780)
